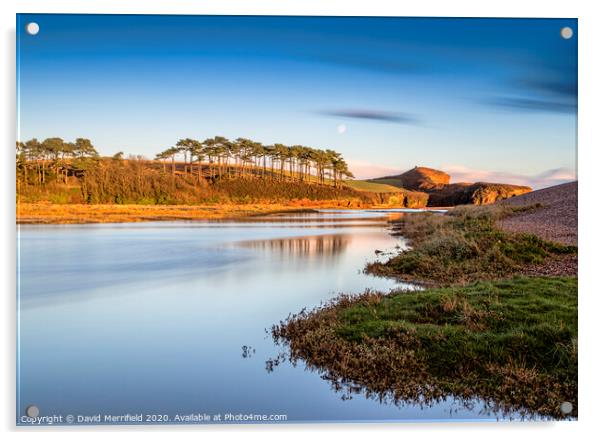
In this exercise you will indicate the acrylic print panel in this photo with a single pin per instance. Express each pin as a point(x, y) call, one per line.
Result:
point(229, 219)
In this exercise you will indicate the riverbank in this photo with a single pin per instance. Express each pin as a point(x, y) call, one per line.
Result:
point(467, 245)
point(54, 213)
point(49, 213)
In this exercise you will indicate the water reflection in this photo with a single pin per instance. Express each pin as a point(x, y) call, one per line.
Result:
point(323, 246)
point(348, 390)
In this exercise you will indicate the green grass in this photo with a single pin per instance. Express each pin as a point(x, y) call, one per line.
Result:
point(366, 185)
point(511, 342)
point(465, 246)
point(390, 182)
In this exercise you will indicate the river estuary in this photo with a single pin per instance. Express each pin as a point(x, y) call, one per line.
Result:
point(170, 318)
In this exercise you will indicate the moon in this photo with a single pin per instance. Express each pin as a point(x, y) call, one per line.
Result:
point(342, 128)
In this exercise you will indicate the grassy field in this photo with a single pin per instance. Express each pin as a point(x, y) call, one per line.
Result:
point(366, 185)
point(464, 246)
point(510, 342)
point(396, 183)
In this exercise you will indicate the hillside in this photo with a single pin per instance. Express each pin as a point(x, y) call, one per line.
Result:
point(367, 185)
point(418, 179)
point(139, 182)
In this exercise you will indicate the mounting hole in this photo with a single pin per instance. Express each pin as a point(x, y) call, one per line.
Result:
point(566, 33)
point(32, 28)
point(566, 408)
point(32, 411)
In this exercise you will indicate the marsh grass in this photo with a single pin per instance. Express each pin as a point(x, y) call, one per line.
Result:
point(509, 342)
point(51, 213)
point(463, 246)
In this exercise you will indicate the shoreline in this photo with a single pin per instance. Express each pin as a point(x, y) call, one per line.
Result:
point(42, 213)
point(49, 213)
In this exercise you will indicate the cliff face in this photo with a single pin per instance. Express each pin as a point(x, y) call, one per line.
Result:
point(440, 192)
point(487, 193)
point(402, 199)
point(480, 193)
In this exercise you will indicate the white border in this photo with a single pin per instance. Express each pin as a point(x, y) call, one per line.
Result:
point(590, 120)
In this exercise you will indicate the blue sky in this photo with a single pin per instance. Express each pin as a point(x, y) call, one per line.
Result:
point(484, 99)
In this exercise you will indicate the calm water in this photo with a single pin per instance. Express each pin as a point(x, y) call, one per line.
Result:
point(151, 318)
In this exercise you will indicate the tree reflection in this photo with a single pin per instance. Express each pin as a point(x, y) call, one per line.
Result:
point(303, 247)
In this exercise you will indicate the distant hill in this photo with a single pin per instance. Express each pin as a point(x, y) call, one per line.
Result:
point(442, 193)
point(417, 179)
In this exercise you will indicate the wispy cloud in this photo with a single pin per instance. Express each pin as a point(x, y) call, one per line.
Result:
point(533, 105)
point(547, 178)
point(372, 115)
point(550, 91)
point(551, 86)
